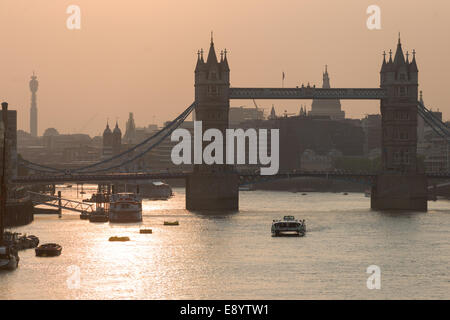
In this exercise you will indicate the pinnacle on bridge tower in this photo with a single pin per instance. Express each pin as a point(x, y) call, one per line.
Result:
point(212, 187)
point(402, 185)
point(34, 85)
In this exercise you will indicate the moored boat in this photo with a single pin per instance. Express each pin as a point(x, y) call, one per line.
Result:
point(99, 215)
point(9, 258)
point(84, 215)
point(288, 226)
point(125, 207)
point(48, 250)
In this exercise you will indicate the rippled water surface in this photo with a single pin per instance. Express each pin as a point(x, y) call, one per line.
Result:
point(235, 257)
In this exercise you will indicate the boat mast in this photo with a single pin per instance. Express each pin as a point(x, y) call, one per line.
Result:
point(3, 184)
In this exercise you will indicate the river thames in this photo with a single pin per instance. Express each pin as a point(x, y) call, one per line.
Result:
point(234, 256)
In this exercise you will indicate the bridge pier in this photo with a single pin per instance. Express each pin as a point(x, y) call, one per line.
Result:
point(212, 192)
point(398, 191)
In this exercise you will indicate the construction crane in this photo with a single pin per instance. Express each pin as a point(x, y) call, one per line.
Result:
point(88, 123)
point(254, 102)
point(288, 114)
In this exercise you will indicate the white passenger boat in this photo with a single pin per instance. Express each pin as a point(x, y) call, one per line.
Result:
point(288, 226)
point(125, 207)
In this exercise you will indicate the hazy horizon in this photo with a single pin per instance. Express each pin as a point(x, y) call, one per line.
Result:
point(140, 57)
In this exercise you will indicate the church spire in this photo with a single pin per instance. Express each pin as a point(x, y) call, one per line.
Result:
point(326, 78)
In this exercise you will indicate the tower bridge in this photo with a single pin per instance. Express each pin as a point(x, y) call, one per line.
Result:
point(215, 187)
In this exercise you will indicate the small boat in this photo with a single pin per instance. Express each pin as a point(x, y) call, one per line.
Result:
point(100, 215)
point(171, 223)
point(345, 193)
point(98, 218)
point(145, 231)
point(48, 250)
point(289, 226)
point(27, 242)
point(115, 238)
point(9, 258)
point(84, 215)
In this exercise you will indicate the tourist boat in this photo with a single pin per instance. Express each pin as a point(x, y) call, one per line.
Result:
point(48, 250)
point(288, 226)
point(9, 259)
point(125, 207)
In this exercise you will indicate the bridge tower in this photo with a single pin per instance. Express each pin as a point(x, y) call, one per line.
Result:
point(402, 184)
point(212, 187)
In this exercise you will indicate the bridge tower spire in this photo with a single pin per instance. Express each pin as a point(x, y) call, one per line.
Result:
point(399, 138)
point(212, 186)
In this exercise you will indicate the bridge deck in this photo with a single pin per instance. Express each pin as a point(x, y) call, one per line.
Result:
point(98, 178)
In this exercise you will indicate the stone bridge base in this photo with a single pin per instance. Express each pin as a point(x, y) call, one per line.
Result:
point(207, 192)
point(400, 192)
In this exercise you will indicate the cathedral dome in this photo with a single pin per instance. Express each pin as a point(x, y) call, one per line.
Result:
point(50, 132)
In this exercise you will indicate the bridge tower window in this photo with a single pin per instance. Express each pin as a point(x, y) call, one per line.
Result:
point(403, 91)
point(212, 90)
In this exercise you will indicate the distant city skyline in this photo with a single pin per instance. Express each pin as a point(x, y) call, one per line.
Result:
point(141, 57)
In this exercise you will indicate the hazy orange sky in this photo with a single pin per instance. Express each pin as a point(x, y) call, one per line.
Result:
point(139, 56)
